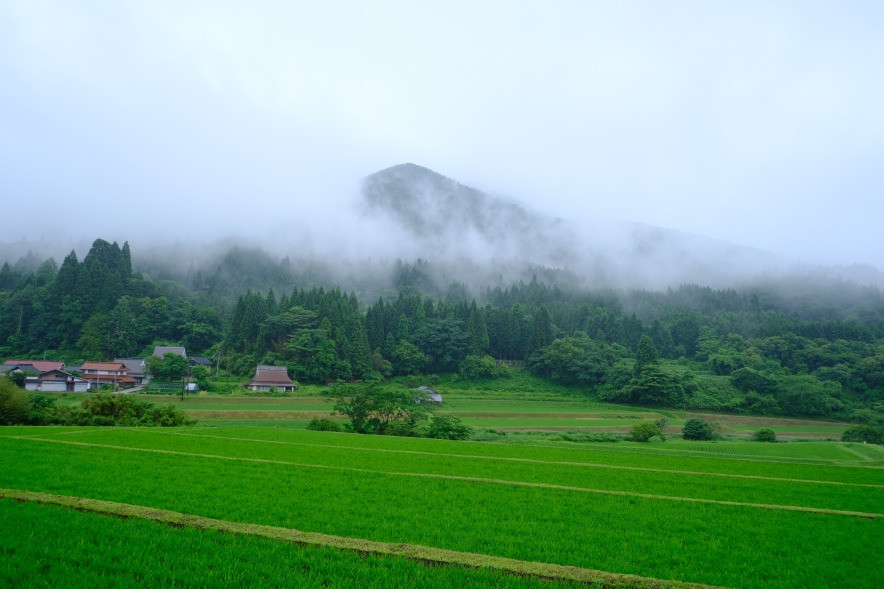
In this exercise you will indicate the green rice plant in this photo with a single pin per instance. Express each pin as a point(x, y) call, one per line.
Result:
point(64, 548)
point(691, 484)
point(732, 545)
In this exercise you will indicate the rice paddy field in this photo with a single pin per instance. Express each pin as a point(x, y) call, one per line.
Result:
point(549, 411)
point(281, 506)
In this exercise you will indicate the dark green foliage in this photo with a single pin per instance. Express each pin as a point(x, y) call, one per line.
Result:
point(815, 349)
point(749, 379)
point(14, 406)
point(103, 410)
point(42, 409)
point(448, 427)
point(697, 429)
point(869, 434)
point(765, 434)
point(655, 386)
point(482, 367)
point(126, 410)
point(576, 360)
point(323, 424)
point(169, 368)
point(408, 359)
point(18, 378)
point(647, 353)
point(200, 375)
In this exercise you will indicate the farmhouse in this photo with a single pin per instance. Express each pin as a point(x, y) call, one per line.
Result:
point(271, 377)
point(37, 366)
point(99, 373)
point(57, 381)
point(136, 368)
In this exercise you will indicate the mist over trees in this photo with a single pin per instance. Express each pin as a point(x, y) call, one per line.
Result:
point(772, 347)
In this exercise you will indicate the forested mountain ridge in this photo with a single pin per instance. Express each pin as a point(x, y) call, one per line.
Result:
point(802, 347)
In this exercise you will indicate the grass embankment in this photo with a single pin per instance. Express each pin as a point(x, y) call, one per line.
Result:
point(165, 557)
point(580, 506)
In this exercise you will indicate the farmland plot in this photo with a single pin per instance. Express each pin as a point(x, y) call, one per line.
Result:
point(717, 520)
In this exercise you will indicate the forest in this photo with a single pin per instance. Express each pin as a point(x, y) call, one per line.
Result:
point(796, 346)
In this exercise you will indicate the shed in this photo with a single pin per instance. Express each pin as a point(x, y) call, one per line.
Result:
point(433, 394)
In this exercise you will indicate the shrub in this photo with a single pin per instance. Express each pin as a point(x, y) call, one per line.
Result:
point(14, 406)
point(324, 424)
point(448, 427)
point(697, 429)
point(42, 409)
point(479, 367)
point(864, 433)
point(644, 431)
point(125, 410)
point(765, 434)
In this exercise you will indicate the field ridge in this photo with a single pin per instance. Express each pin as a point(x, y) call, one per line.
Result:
point(426, 554)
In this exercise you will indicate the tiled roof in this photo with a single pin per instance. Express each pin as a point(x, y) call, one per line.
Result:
point(41, 365)
point(271, 375)
point(134, 365)
point(163, 350)
point(111, 366)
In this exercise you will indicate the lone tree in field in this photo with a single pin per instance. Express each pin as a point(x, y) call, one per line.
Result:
point(380, 409)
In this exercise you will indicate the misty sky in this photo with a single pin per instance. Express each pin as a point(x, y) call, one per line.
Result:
point(755, 122)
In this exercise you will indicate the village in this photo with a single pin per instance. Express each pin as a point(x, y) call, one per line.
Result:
point(128, 375)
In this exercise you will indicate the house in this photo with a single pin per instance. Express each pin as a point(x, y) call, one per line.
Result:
point(432, 394)
point(136, 367)
point(201, 361)
point(163, 350)
point(271, 377)
point(9, 370)
point(37, 366)
point(58, 381)
point(101, 373)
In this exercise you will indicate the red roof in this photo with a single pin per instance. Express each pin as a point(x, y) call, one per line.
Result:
point(41, 365)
